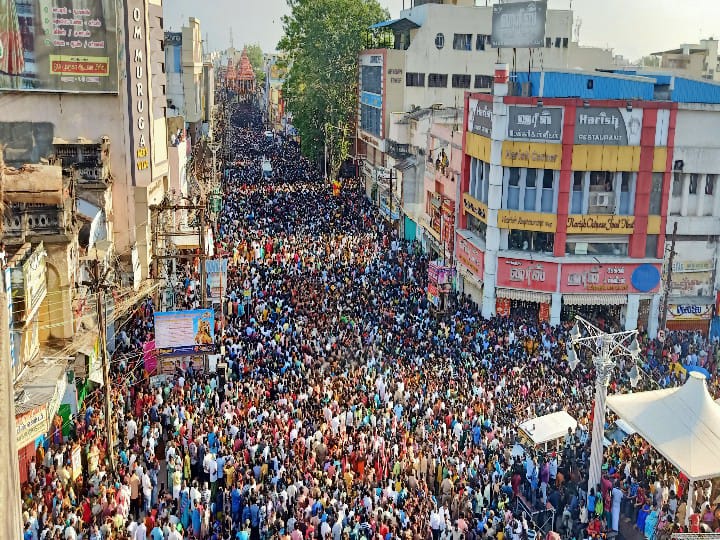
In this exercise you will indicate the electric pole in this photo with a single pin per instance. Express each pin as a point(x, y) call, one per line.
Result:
point(10, 510)
point(98, 285)
point(668, 281)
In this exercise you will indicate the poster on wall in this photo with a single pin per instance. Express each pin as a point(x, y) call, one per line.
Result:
point(59, 46)
point(216, 270)
point(179, 333)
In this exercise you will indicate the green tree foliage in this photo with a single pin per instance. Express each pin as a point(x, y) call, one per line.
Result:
point(255, 55)
point(322, 41)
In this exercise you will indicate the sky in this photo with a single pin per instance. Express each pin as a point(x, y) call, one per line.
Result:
point(633, 28)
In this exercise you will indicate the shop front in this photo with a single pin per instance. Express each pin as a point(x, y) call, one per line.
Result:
point(470, 264)
point(31, 426)
point(607, 294)
point(689, 315)
point(525, 287)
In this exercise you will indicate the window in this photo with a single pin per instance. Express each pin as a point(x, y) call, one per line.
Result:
point(476, 226)
point(513, 195)
point(579, 244)
point(415, 79)
point(483, 81)
point(437, 80)
point(548, 43)
point(677, 187)
point(710, 184)
point(656, 194)
point(440, 41)
point(371, 79)
point(627, 183)
point(370, 119)
point(565, 43)
point(547, 197)
point(558, 42)
point(601, 181)
point(462, 42)
point(693, 183)
point(530, 189)
point(538, 242)
point(578, 181)
point(576, 201)
point(651, 242)
point(461, 81)
point(482, 41)
point(514, 180)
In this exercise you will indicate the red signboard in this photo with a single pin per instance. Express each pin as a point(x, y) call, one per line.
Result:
point(524, 274)
point(606, 278)
point(470, 256)
point(544, 312)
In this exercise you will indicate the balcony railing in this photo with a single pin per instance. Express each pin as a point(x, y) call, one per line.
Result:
point(397, 150)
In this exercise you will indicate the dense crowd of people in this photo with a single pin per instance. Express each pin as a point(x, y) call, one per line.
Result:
point(349, 409)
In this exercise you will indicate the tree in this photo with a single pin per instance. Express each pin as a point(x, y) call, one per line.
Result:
point(322, 40)
point(649, 61)
point(255, 55)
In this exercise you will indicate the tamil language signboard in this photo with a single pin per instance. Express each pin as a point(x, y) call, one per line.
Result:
point(542, 124)
point(519, 24)
point(59, 46)
point(480, 117)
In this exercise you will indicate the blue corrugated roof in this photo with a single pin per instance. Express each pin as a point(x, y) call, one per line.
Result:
point(560, 84)
point(694, 91)
point(399, 24)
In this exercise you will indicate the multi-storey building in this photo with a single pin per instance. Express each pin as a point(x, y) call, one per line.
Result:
point(565, 192)
point(428, 58)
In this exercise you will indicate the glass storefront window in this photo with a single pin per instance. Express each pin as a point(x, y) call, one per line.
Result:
point(538, 242)
point(476, 226)
point(588, 245)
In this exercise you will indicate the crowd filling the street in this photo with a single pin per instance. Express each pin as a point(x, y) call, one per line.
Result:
point(351, 409)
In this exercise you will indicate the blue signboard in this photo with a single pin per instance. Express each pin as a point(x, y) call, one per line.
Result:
point(372, 100)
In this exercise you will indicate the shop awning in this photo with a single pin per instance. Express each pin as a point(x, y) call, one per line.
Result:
point(467, 274)
point(594, 299)
point(396, 24)
point(524, 296)
point(45, 383)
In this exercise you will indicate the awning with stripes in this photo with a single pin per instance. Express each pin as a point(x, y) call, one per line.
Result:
point(594, 299)
point(524, 296)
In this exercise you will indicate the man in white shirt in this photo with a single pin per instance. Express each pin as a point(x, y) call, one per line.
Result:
point(140, 532)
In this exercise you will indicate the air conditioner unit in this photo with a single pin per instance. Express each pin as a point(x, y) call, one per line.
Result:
point(601, 199)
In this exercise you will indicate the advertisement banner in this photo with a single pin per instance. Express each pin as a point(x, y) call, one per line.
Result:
point(217, 278)
point(9, 305)
point(529, 275)
point(150, 356)
point(433, 295)
point(470, 256)
point(608, 126)
point(600, 223)
point(691, 284)
point(474, 207)
point(31, 425)
point(502, 307)
point(179, 333)
point(541, 124)
point(677, 312)
point(519, 24)
point(692, 266)
point(59, 46)
point(34, 279)
point(544, 312)
point(527, 221)
point(609, 278)
point(480, 117)
point(76, 460)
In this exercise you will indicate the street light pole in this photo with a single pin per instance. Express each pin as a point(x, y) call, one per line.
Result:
point(606, 350)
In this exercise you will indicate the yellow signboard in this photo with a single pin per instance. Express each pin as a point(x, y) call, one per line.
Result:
point(600, 224)
point(589, 157)
point(477, 146)
point(531, 155)
point(527, 221)
point(654, 223)
point(474, 207)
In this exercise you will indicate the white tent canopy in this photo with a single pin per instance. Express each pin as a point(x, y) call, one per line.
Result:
point(550, 427)
point(682, 423)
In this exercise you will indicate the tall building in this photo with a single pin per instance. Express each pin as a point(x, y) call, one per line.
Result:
point(565, 190)
point(698, 60)
point(118, 95)
point(429, 57)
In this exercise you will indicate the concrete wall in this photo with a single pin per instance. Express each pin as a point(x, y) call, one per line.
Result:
point(424, 57)
point(73, 116)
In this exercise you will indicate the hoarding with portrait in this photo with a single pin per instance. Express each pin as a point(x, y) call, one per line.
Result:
point(180, 333)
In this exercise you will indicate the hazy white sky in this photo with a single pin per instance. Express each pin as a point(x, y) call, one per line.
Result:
point(632, 27)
